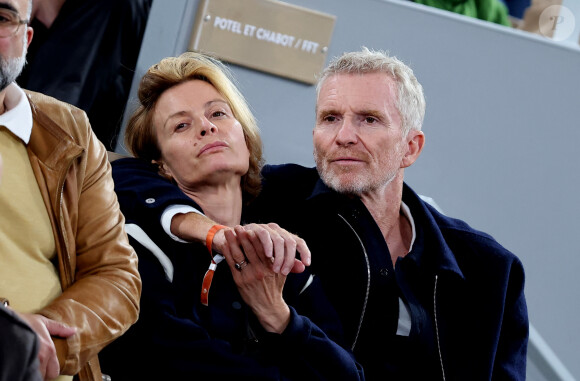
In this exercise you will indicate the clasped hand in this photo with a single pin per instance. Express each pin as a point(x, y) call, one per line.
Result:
point(277, 244)
point(269, 253)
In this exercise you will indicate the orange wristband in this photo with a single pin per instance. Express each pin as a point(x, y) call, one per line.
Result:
point(210, 234)
point(208, 277)
point(206, 284)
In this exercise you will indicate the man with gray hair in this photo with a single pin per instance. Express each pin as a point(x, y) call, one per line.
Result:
point(421, 296)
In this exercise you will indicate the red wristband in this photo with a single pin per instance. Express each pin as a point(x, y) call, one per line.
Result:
point(210, 234)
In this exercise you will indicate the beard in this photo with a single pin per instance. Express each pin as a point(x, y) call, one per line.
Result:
point(349, 181)
point(10, 68)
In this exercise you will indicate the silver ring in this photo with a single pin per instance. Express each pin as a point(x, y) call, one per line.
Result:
point(241, 265)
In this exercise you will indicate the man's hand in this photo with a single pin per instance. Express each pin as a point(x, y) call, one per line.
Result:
point(45, 328)
point(278, 245)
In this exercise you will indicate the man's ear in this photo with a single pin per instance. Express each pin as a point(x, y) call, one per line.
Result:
point(29, 34)
point(415, 143)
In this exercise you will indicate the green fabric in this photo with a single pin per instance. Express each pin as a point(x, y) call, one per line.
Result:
point(488, 10)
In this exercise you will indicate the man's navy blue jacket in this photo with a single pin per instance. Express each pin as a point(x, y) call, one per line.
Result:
point(463, 290)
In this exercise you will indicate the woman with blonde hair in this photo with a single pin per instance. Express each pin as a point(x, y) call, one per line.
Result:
point(257, 323)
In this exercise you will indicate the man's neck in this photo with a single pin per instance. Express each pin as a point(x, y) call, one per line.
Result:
point(2, 100)
point(385, 207)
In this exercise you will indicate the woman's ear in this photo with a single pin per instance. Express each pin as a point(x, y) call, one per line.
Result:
point(162, 169)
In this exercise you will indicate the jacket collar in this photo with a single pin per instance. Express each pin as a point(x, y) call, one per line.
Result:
point(423, 214)
point(321, 190)
point(50, 143)
point(433, 240)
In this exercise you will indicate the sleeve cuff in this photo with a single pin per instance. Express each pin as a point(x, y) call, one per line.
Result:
point(168, 215)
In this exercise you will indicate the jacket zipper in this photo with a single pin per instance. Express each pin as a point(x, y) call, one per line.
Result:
point(437, 326)
point(368, 282)
point(367, 297)
point(64, 243)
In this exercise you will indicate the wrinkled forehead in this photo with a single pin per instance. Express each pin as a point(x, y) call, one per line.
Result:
point(368, 90)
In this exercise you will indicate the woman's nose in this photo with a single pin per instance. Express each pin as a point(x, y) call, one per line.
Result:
point(207, 127)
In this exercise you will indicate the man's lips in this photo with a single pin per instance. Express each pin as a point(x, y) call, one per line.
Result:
point(345, 160)
point(211, 147)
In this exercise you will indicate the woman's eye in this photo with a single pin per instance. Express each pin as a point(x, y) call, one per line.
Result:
point(180, 126)
point(217, 114)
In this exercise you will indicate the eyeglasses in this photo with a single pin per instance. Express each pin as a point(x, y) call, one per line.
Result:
point(10, 22)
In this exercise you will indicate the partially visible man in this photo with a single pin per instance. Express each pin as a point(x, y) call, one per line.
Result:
point(67, 267)
point(19, 344)
point(421, 296)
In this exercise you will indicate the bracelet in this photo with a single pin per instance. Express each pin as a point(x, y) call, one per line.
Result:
point(208, 277)
point(210, 234)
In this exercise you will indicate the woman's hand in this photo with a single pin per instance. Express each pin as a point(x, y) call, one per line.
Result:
point(278, 245)
point(259, 285)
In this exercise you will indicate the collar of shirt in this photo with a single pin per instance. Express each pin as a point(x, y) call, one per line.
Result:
point(322, 189)
point(407, 213)
point(18, 115)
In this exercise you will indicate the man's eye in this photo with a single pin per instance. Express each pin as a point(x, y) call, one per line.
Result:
point(329, 118)
point(6, 17)
point(370, 119)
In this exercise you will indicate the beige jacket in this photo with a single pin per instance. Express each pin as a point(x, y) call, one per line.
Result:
point(98, 268)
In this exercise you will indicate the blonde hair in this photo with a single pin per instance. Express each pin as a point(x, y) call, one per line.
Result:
point(140, 136)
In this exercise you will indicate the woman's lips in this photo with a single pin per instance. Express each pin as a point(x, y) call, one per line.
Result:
point(211, 147)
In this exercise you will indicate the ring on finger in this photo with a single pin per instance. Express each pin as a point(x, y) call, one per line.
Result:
point(239, 266)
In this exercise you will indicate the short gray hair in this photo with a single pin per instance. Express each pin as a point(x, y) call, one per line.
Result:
point(410, 102)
